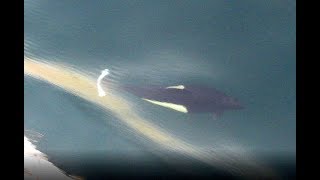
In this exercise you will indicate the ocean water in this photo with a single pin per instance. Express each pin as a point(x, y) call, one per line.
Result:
point(243, 48)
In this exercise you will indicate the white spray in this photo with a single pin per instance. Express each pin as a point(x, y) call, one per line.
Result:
point(100, 90)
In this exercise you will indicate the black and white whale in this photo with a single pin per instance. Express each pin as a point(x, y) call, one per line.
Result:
point(187, 99)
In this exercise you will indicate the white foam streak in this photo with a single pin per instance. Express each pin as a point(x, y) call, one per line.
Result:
point(104, 73)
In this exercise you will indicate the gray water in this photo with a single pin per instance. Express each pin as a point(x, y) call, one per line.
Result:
point(243, 48)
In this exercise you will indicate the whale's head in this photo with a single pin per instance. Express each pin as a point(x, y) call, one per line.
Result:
point(232, 103)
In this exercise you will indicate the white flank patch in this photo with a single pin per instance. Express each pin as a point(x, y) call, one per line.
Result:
point(176, 107)
point(100, 90)
point(37, 166)
point(175, 87)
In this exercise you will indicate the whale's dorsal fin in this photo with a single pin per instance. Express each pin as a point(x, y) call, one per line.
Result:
point(176, 87)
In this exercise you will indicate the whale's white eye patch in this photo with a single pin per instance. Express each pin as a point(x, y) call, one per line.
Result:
point(176, 87)
point(176, 107)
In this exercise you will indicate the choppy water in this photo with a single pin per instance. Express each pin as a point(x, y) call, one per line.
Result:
point(246, 49)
